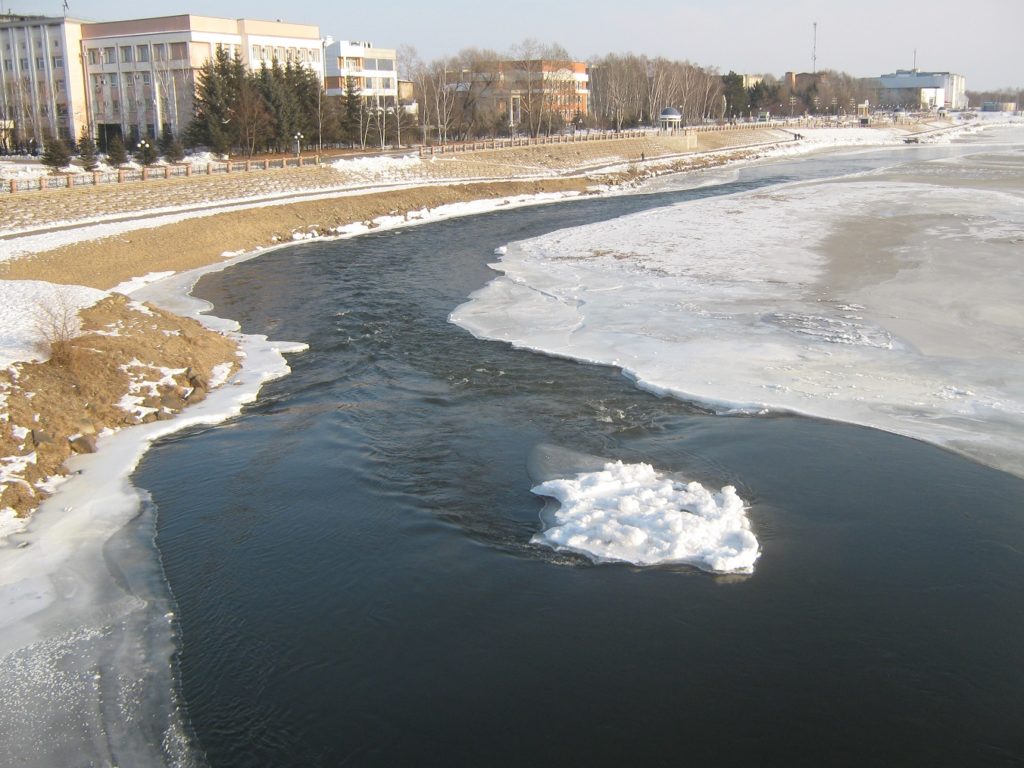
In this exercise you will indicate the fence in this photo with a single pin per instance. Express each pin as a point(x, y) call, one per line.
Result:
point(123, 175)
point(528, 141)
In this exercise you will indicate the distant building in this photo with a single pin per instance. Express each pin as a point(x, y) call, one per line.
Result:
point(534, 94)
point(41, 85)
point(799, 82)
point(999, 106)
point(373, 70)
point(915, 89)
point(141, 74)
point(126, 78)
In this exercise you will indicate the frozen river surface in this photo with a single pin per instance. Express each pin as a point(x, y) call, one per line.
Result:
point(889, 298)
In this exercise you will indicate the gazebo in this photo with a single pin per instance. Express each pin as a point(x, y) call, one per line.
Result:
point(670, 120)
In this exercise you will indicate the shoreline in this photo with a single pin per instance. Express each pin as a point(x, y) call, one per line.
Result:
point(53, 573)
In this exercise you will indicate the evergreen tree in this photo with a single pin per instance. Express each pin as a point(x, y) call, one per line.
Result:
point(55, 153)
point(735, 94)
point(116, 153)
point(169, 145)
point(216, 92)
point(282, 103)
point(175, 153)
point(351, 113)
point(87, 151)
point(166, 137)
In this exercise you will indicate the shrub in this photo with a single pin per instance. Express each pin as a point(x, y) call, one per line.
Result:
point(116, 154)
point(56, 324)
point(87, 151)
point(56, 154)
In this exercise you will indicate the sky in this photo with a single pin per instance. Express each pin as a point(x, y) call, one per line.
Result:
point(979, 39)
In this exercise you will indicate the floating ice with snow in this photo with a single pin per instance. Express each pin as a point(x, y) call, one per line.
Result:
point(632, 513)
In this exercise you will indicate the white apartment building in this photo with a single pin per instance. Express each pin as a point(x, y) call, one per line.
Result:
point(40, 79)
point(141, 74)
point(925, 90)
point(375, 71)
point(126, 78)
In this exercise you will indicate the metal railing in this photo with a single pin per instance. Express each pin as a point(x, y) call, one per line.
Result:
point(154, 172)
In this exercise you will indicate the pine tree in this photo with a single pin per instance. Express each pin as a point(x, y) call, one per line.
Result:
point(216, 92)
point(55, 153)
point(351, 114)
point(87, 151)
point(175, 152)
point(116, 153)
point(166, 137)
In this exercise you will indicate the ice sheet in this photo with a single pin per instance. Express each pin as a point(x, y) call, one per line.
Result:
point(889, 300)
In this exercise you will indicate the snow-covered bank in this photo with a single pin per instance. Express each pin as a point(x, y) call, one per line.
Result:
point(85, 644)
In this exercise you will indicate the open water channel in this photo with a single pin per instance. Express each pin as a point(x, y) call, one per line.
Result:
point(355, 582)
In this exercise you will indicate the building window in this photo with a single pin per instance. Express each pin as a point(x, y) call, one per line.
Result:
point(94, 55)
point(256, 52)
point(159, 52)
point(179, 51)
point(145, 78)
point(58, 62)
point(385, 82)
point(386, 64)
point(97, 81)
point(127, 56)
point(112, 78)
point(142, 53)
point(110, 56)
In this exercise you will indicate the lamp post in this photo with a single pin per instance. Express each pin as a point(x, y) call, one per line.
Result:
point(143, 148)
point(320, 95)
point(298, 143)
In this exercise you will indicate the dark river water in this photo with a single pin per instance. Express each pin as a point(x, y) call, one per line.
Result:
point(355, 583)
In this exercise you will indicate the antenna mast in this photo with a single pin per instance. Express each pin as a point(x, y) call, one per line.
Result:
point(814, 51)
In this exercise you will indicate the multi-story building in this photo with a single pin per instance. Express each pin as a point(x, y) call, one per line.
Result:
point(531, 95)
point(923, 90)
point(374, 71)
point(127, 78)
point(41, 91)
point(141, 74)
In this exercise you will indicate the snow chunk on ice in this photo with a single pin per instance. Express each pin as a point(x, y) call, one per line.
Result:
point(634, 514)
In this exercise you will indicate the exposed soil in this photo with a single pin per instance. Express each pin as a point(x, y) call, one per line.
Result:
point(58, 407)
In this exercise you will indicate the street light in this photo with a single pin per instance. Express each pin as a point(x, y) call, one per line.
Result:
point(143, 148)
point(320, 94)
point(298, 143)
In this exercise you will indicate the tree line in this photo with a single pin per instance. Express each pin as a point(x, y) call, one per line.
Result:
point(277, 108)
